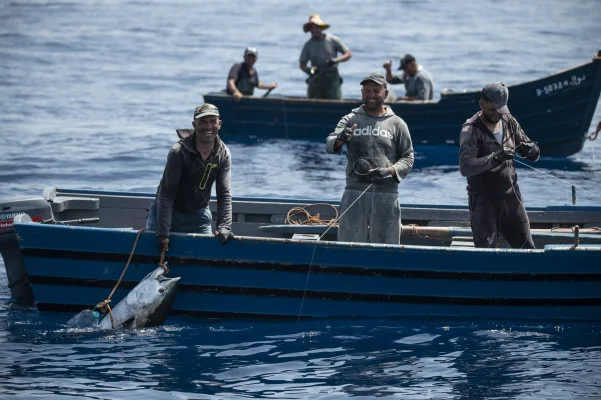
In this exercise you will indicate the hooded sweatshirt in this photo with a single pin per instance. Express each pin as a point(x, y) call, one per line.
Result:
point(187, 182)
point(382, 141)
point(477, 144)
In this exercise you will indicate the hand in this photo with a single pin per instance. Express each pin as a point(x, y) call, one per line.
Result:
point(504, 154)
point(331, 62)
point(162, 243)
point(387, 65)
point(224, 235)
point(526, 149)
point(379, 173)
point(237, 96)
point(273, 85)
point(347, 134)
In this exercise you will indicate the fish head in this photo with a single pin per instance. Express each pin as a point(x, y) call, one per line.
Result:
point(153, 298)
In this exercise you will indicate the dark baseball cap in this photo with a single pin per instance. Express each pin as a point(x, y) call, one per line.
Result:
point(498, 94)
point(376, 78)
point(407, 58)
point(250, 50)
point(204, 110)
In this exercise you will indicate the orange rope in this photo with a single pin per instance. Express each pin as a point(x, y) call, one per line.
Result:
point(296, 214)
point(103, 306)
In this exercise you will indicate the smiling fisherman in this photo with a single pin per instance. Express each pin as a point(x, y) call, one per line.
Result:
point(380, 154)
point(193, 165)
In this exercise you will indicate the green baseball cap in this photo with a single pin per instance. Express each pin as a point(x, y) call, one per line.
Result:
point(204, 110)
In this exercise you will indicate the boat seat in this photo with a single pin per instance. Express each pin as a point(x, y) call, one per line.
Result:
point(64, 203)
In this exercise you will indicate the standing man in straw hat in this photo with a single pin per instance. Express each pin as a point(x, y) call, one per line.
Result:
point(379, 156)
point(487, 146)
point(322, 51)
point(193, 165)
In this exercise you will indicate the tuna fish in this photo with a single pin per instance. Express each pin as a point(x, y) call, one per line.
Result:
point(148, 304)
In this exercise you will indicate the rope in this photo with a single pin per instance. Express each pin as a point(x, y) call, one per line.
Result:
point(593, 135)
point(295, 215)
point(103, 306)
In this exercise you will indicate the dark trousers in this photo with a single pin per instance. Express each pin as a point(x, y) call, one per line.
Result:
point(506, 214)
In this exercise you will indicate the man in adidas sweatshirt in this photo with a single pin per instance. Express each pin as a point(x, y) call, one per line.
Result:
point(380, 155)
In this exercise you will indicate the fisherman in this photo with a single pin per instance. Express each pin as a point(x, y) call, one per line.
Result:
point(379, 156)
point(322, 50)
point(193, 165)
point(243, 78)
point(488, 143)
point(418, 82)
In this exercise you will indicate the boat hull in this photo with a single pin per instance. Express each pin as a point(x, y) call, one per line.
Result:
point(71, 268)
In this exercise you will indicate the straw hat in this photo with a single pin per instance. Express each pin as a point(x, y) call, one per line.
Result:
point(315, 19)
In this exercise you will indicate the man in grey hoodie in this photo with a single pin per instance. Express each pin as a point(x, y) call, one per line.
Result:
point(193, 165)
point(379, 155)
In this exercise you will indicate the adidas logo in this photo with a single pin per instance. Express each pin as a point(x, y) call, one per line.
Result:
point(373, 132)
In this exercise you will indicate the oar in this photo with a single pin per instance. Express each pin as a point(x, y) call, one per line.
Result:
point(267, 92)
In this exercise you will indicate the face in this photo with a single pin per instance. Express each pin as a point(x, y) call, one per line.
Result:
point(250, 59)
point(489, 112)
point(207, 127)
point(411, 68)
point(315, 31)
point(373, 95)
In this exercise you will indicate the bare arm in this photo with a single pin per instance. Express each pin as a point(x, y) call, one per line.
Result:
point(231, 85)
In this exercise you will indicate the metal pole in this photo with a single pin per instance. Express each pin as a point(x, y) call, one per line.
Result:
point(573, 194)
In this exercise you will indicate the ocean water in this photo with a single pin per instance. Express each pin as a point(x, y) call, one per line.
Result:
point(91, 93)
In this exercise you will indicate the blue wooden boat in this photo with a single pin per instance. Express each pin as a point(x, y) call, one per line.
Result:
point(555, 111)
point(273, 269)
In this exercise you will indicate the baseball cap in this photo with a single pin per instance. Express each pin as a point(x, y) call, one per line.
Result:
point(376, 78)
point(498, 94)
point(407, 58)
point(250, 50)
point(204, 110)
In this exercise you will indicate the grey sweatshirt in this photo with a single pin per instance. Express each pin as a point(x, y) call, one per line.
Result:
point(382, 141)
point(187, 182)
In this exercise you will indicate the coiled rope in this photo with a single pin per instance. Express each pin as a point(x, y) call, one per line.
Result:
point(302, 216)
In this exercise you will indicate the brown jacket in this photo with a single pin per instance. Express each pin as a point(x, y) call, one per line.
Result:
point(477, 144)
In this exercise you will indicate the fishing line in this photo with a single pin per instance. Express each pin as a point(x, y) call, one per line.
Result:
point(561, 180)
point(364, 163)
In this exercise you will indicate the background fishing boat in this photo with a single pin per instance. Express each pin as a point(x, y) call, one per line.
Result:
point(555, 111)
point(275, 269)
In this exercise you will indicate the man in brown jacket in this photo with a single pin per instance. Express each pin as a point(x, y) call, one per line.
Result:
point(488, 143)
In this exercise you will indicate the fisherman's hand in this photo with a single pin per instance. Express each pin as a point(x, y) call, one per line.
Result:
point(347, 134)
point(272, 86)
point(503, 154)
point(526, 149)
point(162, 243)
point(379, 173)
point(331, 62)
point(224, 235)
point(387, 65)
point(237, 96)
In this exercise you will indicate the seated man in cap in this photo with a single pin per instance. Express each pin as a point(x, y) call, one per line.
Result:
point(487, 146)
point(193, 165)
point(379, 156)
point(322, 51)
point(243, 78)
point(418, 82)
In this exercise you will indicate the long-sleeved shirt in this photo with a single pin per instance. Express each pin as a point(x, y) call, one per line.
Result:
point(187, 182)
point(477, 144)
point(382, 141)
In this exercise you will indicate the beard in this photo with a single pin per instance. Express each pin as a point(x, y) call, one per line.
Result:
point(489, 119)
point(375, 105)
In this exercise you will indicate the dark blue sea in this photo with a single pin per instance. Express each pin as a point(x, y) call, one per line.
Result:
point(91, 93)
